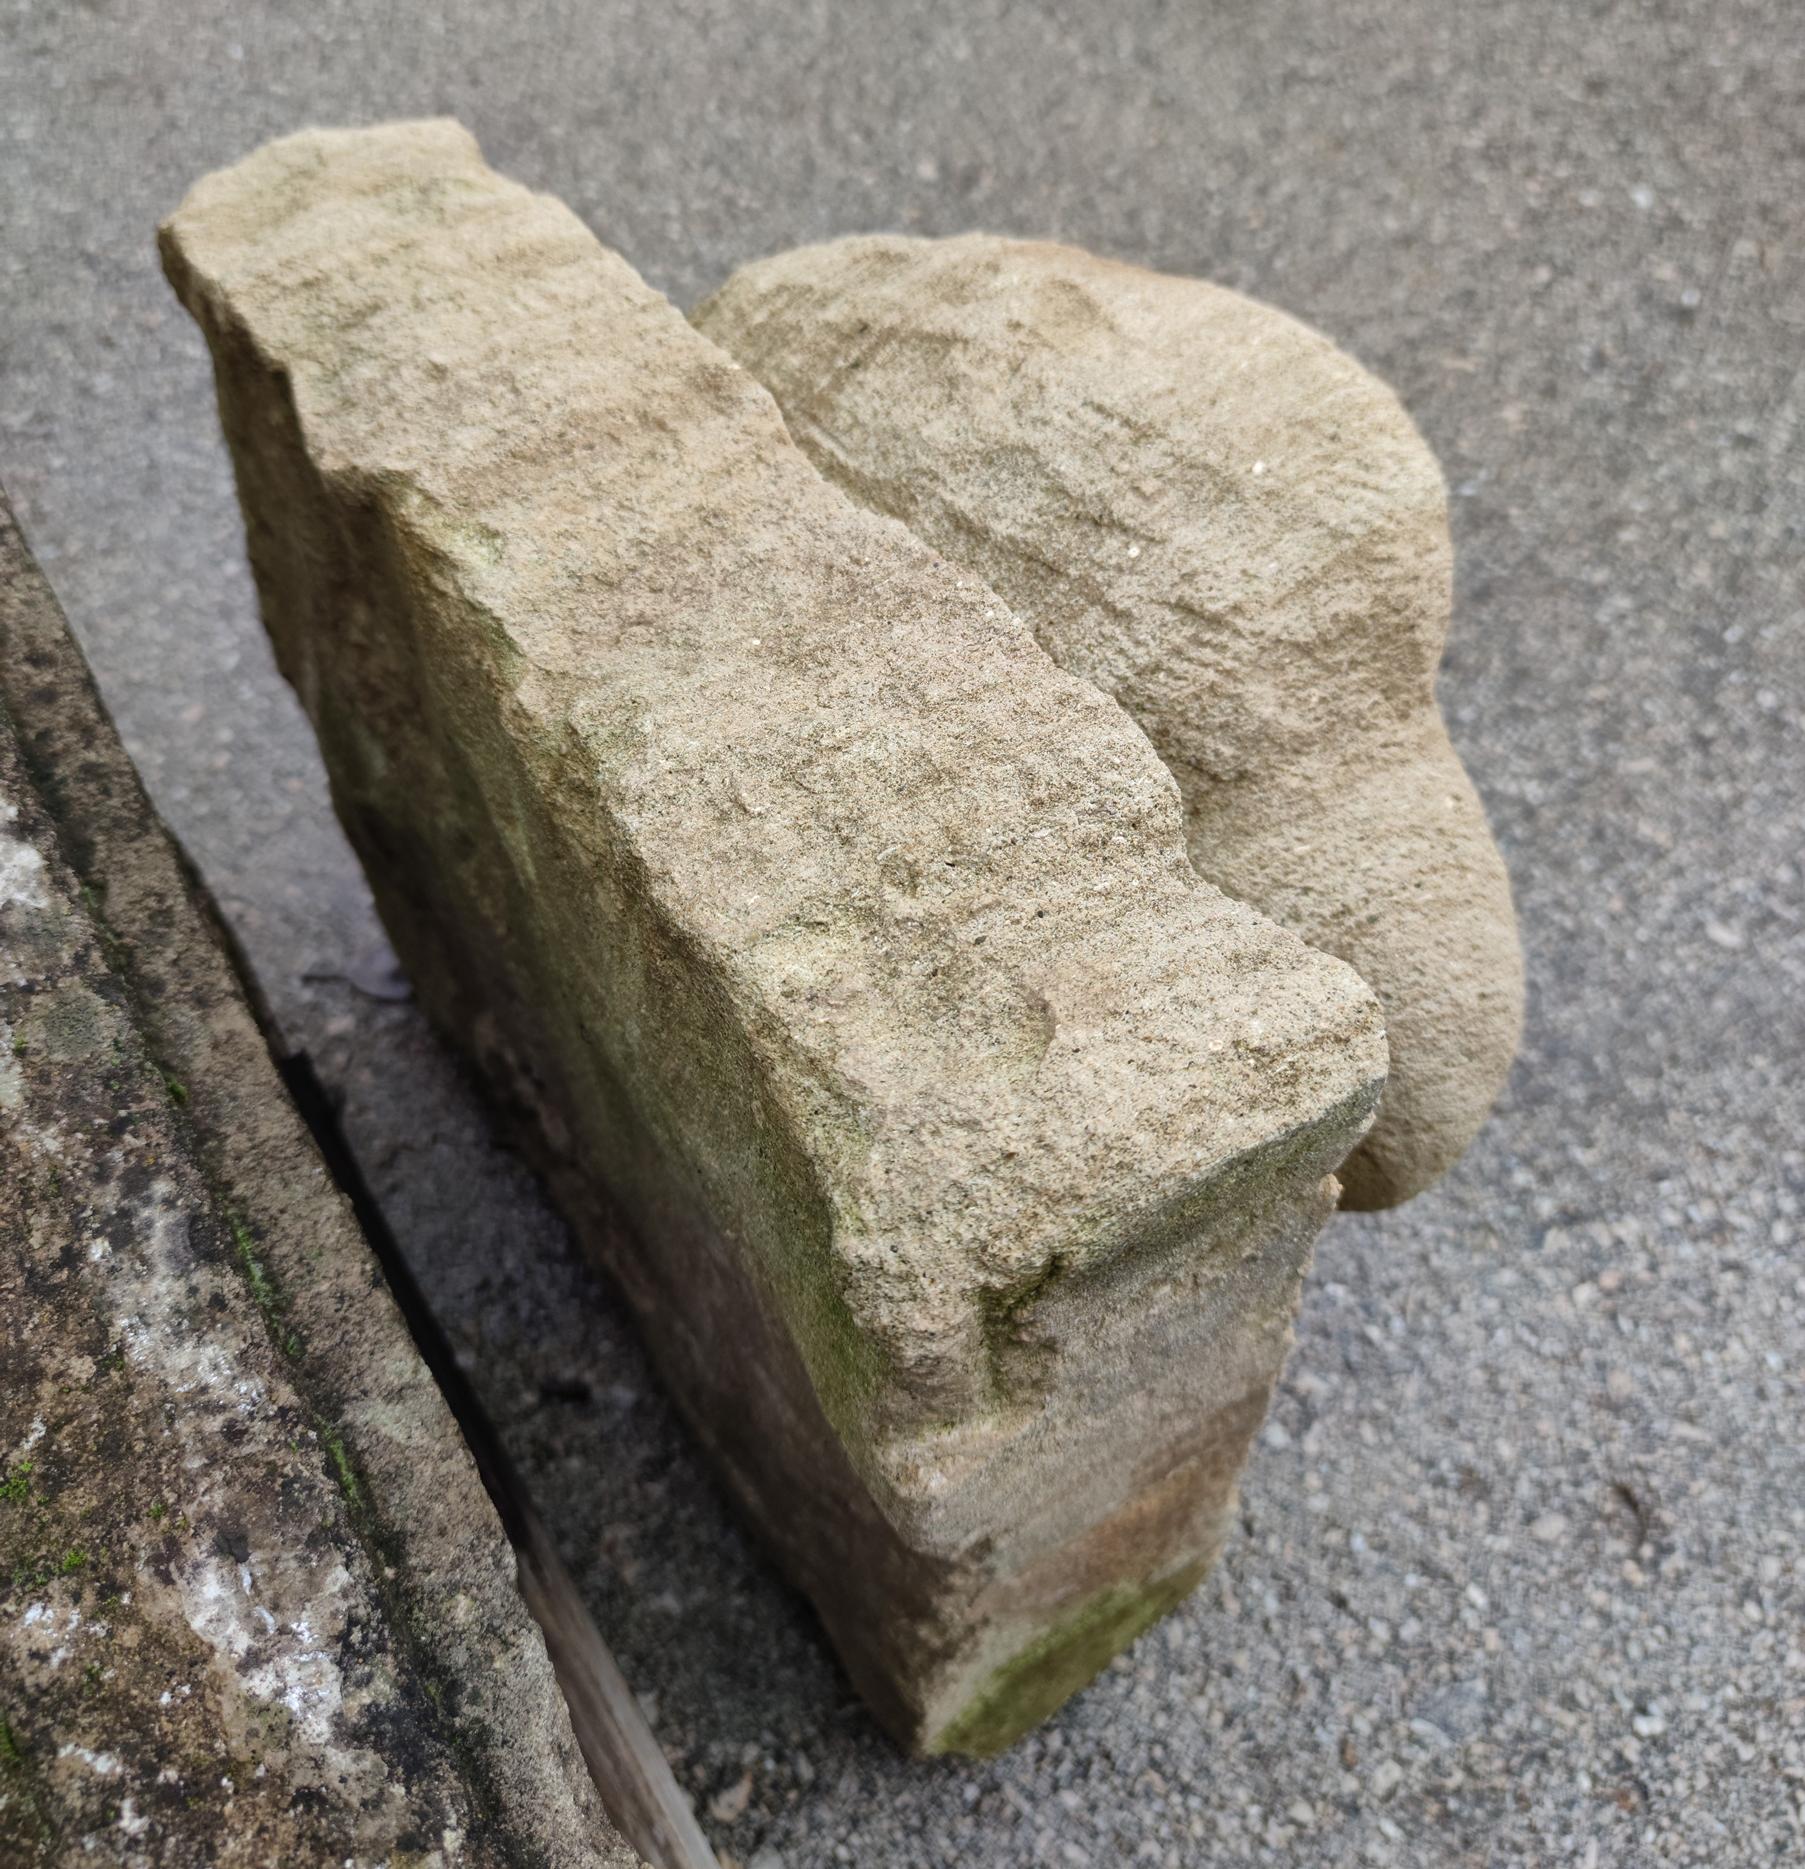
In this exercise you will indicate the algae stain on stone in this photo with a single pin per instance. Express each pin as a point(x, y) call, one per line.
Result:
point(19, 1781)
point(1059, 1661)
point(67, 1024)
point(265, 1292)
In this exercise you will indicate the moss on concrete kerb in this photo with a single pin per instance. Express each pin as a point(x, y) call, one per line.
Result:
point(265, 1293)
point(19, 1785)
point(1059, 1661)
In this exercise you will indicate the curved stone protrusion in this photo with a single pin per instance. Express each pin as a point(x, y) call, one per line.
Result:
point(1226, 523)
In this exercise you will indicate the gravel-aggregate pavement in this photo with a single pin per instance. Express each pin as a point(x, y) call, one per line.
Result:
point(1519, 1575)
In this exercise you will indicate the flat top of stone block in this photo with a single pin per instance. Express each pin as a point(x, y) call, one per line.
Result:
point(944, 882)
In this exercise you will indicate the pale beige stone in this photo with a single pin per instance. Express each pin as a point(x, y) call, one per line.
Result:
point(1224, 522)
point(973, 1149)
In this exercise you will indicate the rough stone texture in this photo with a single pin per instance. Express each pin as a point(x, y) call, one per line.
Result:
point(1568, 235)
point(813, 913)
point(255, 1604)
point(1223, 521)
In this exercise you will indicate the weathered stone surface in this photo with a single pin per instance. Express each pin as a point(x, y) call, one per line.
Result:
point(1223, 521)
point(973, 1149)
point(255, 1606)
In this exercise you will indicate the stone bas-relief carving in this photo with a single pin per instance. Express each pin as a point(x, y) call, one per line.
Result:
point(812, 915)
point(1216, 516)
point(255, 1605)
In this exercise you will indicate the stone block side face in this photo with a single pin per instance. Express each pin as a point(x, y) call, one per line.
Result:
point(805, 908)
point(371, 1422)
point(196, 1665)
point(1224, 522)
point(450, 1570)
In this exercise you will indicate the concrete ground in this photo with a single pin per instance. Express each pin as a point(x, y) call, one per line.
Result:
point(1519, 1580)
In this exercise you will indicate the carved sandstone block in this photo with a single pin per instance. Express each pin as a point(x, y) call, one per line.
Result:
point(1224, 522)
point(971, 1149)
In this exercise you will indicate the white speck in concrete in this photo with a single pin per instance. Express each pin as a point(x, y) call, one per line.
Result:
point(102, 1764)
point(21, 865)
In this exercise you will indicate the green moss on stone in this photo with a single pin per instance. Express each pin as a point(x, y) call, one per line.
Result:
point(264, 1289)
point(19, 1781)
point(1059, 1661)
point(342, 1469)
